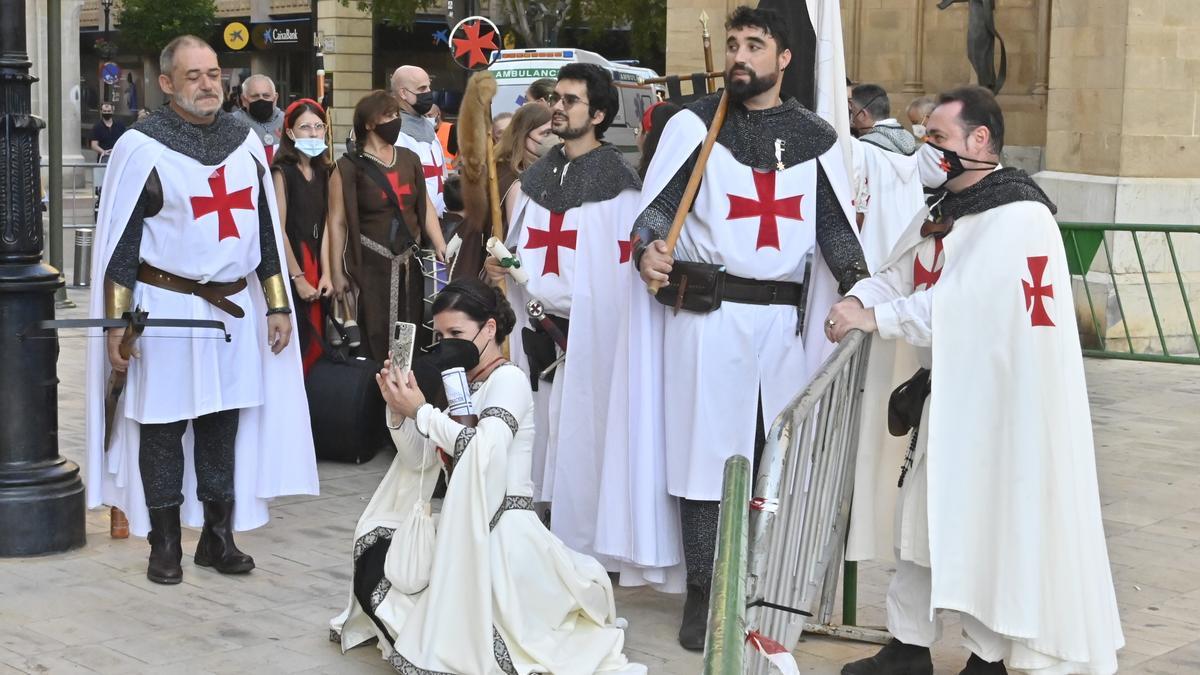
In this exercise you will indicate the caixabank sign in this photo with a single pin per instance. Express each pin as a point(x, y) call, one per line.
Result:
point(286, 35)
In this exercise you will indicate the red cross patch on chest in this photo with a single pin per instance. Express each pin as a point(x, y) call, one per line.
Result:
point(552, 239)
point(767, 208)
point(431, 171)
point(926, 277)
point(400, 189)
point(223, 203)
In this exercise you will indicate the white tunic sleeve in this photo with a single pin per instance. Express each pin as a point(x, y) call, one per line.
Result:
point(411, 446)
point(508, 397)
point(898, 314)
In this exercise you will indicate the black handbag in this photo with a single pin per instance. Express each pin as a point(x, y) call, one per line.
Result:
point(906, 403)
point(345, 406)
point(695, 287)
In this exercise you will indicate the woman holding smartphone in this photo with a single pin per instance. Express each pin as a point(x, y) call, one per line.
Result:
point(503, 594)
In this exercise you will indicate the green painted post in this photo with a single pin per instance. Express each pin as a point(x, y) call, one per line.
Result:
point(724, 648)
point(850, 593)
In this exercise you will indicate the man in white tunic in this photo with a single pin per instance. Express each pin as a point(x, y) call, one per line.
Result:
point(412, 88)
point(775, 194)
point(570, 229)
point(187, 229)
point(999, 510)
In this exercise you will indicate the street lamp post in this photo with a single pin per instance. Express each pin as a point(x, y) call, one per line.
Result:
point(41, 494)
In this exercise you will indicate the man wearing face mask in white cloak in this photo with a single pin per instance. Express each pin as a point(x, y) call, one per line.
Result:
point(411, 86)
point(999, 512)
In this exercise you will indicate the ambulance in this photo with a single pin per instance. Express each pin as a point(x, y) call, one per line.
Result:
point(516, 69)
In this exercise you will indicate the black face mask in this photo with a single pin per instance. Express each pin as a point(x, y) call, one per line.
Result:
point(389, 131)
point(449, 353)
point(424, 103)
point(261, 110)
point(106, 116)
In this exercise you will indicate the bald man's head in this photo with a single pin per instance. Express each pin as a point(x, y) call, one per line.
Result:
point(412, 88)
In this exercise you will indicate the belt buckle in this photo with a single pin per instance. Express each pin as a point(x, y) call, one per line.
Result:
point(774, 292)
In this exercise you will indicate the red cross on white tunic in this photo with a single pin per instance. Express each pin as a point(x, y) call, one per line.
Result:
point(431, 170)
point(767, 208)
point(551, 240)
point(1036, 293)
point(926, 278)
point(624, 248)
point(222, 203)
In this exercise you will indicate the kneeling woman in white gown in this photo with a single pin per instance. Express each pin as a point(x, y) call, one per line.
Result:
point(501, 593)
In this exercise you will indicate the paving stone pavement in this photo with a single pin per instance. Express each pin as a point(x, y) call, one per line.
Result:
point(93, 611)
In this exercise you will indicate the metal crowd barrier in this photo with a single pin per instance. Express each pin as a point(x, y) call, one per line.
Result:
point(799, 514)
point(79, 194)
point(1140, 301)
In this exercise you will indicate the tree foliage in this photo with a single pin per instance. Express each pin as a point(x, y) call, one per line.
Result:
point(148, 25)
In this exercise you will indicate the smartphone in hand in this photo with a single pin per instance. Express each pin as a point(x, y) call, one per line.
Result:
point(404, 336)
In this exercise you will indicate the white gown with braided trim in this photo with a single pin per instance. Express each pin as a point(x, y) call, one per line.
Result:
point(505, 595)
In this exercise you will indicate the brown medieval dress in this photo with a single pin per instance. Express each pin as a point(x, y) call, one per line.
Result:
point(379, 257)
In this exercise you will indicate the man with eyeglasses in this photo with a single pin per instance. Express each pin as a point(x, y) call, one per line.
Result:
point(412, 88)
point(774, 196)
point(187, 229)
point(570, 229)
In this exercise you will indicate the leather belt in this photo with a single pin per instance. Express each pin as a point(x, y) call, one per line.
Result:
point(757, 292)
point(216, 294)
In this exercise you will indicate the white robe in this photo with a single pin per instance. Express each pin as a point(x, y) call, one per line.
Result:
point(273, 452)
point(889, 195)
point(1015, 538)
point(604, 503)
point(508, 598)
point(716, 364)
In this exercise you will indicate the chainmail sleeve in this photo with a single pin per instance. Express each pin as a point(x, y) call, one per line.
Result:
point(269, 265)
point(836, 239)
point(127, 256)
point(655, 221)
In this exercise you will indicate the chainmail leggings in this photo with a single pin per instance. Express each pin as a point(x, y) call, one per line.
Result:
point(700, 519)
point(160, 459)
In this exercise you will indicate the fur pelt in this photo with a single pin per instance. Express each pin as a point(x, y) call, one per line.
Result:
point(474, 133)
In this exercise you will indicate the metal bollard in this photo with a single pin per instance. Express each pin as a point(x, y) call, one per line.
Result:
point(83, 257)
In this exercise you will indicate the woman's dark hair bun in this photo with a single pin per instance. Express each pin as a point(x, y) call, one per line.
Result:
point(478, 301)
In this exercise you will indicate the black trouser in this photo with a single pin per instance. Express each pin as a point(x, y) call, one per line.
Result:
point(700, 520)
point(160, 459)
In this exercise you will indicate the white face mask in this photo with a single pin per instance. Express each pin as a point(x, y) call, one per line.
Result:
point(932, 166)
point(919, 131)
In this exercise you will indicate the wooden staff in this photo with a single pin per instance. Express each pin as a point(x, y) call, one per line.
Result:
point(693, 184)
point(494, 190)
point(708, 52)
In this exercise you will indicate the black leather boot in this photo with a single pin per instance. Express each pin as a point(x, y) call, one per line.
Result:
point(165, 549)
point(896, 658)
point(977, 666)
point(695, 618)
point(216, 548)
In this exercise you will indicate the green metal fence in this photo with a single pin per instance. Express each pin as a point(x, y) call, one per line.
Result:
point(1116, 322)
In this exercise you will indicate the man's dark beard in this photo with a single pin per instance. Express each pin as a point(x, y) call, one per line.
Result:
point(740, 92)
point(570, 133)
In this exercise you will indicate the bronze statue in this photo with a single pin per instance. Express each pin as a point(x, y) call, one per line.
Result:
point(981, 42)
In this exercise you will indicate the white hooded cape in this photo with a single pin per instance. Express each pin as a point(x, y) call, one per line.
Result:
point(273, 453)
point(1014, 524)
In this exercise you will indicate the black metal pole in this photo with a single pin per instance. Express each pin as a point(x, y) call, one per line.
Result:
point(41, 494)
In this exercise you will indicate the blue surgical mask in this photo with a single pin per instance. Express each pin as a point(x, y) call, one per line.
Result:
point(312, 147)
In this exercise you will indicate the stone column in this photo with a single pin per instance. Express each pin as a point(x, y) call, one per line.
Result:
point(1041, 83)
point(349, 41)
point(71, 95)
point(914, 83)
point(260, 62)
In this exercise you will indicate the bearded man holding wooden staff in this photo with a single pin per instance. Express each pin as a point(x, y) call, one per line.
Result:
point(774, 191)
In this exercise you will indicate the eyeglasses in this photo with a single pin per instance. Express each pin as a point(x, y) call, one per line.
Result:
point(568, 100)
point(312, 128)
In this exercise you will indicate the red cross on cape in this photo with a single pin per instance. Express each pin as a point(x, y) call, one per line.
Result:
point(767, 208)
point(552, 239)
point(223, 203)
point(1036, 293)
point(431, 171)
point(925, 278)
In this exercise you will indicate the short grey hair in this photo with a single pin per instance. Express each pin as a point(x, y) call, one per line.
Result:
point(923, 106)
point(256, 77)
point(872, 98)
point(166, 60)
